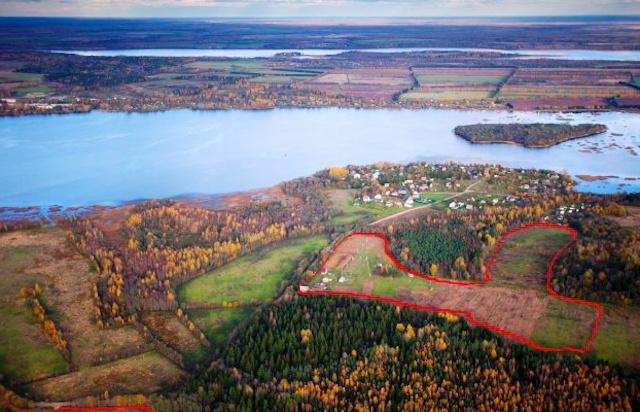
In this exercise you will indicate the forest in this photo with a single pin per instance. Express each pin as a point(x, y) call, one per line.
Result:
point(604, 263)
point(527, 135)
point(299, 356)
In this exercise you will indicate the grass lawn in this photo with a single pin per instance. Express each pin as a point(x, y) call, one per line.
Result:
point(216, 324)
point(436, 196)
point(25, 351)
point(252, 278)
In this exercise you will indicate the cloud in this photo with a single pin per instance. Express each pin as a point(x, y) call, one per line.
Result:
point(346, 8)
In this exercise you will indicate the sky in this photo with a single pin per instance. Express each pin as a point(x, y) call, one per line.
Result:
point(316, 8)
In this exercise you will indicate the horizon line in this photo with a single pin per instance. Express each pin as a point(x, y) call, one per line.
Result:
point(271, 18)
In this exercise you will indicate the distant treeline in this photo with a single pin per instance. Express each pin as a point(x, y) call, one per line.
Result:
point(528, 135)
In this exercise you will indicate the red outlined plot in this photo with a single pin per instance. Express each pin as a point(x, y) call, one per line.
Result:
point(103, 408)
point(487, 279)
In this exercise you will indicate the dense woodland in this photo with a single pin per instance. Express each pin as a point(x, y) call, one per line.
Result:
point(604, 262)
point(528, 135)
point(330, 353)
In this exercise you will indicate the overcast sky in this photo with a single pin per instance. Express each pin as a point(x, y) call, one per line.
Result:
point(316, 8)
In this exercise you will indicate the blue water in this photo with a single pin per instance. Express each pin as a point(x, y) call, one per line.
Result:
point(600, 55)
point(108, 158)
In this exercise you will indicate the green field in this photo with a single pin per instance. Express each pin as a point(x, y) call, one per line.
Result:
point(13, 263)
point(33, 89)
point(25, 351)
point(342, 203)
point(564, 324)
point(251, 67)
point(459, 79)
point(277, 79)
point(253, 278)
point(444, 95)
point(436, 196)
point(524, 258)
point(20, 76)
point(216, 324)
point(386, 286)
point(618, 338)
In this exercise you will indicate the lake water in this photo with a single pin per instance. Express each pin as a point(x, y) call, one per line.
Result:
point(107, 158)
point(600, 55)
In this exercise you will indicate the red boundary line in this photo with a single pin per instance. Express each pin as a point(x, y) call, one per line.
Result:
point(480, 282)
point(101, 408)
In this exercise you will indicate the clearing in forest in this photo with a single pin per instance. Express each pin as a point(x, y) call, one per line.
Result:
point(515, 299)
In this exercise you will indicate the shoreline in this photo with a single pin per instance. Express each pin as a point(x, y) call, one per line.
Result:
point(373, 108)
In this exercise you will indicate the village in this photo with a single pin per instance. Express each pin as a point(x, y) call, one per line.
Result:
point(449, 186)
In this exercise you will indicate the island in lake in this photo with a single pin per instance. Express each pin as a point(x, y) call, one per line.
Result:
point(528, 135)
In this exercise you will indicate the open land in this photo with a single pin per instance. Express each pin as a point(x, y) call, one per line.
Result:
point(515, 300)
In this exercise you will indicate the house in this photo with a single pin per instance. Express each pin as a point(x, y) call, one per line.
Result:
point(378, 196)
point(326, 280)
point(304, 288)
point(452, 205)
point(366, 199)
point(469, 207)
point(324, 271)
point(408, 202)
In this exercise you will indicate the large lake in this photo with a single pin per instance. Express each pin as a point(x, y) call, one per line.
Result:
point(107, 158)
point(601, 55)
